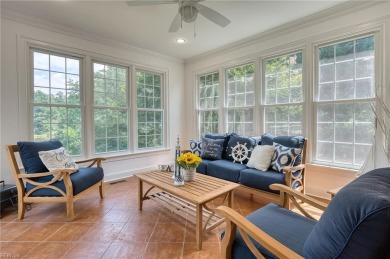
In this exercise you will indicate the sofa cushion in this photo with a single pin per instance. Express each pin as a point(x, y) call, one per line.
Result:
point(261, 179)
point(29, 154)
point(283, 156)
point(212, 149)
point(356, 222)
point(287, 141)
point(202, 167)
point(81, 180)
point(226, 137)
point(261, 157)
point(235, 140)
point(196, 147)
point(225, 169)
point(289, 228)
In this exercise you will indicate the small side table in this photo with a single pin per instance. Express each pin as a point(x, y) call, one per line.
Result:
point(333, 192)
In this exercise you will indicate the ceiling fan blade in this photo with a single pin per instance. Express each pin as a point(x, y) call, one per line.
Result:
point(149, 2)
point(175, 25)
point(213, 16)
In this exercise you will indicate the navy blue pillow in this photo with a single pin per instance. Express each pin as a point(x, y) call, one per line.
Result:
point(212, 149)
point(226, 137)
point(29, 154)
point(249, 143)
point(287, 141)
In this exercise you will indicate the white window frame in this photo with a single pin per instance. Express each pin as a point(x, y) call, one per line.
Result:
point(65, 54)
point(127, 108)
point(317, 102)
point(135, 109)
point(263, 104)
point(215, 109)
point(226, 108)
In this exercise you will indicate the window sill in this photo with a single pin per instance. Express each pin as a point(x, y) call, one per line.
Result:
point(316, 166)
point(125, 156)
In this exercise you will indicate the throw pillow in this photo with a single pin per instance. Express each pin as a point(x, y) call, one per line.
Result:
point(226, 137)
point(212, 149)
point(196, 147)
point(287, 141)
point(283, 156)
point(261, 157)
point(57, 159)
point(240, 148)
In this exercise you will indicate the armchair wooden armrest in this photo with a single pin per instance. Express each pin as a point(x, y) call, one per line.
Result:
point(96, 160)
point(295, 175)
point(26, 176)
point(287, 193)
point(236, 221)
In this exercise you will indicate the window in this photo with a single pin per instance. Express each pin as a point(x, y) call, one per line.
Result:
point(283, 106)
point(345, 88)
point(150, 110)
point(57, 109)
point(208, 86)
point(110, 108)
point(240, 99)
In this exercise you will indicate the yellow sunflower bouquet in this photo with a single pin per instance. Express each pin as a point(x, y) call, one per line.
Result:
point(188, 161)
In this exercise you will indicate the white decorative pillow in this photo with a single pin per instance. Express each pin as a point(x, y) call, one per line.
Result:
point(261, 157)
point(284, 156)
point(57, 159)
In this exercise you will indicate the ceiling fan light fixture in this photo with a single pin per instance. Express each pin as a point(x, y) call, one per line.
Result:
point(180, 41)
point(188, 11)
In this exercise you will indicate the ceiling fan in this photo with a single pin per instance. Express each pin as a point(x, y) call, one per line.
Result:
point(188, 12)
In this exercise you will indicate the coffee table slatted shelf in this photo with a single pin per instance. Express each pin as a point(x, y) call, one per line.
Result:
point(186, 209)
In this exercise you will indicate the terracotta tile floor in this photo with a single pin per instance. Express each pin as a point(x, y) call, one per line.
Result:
point(110, 228)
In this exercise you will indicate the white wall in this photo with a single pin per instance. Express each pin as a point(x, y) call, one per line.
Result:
point(14, 108)
point(352, 19)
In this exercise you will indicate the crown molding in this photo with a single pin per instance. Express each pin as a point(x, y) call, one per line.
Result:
point(308, 21)
point(76, 33)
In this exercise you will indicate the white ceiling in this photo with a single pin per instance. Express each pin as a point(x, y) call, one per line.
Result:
point(147, 26)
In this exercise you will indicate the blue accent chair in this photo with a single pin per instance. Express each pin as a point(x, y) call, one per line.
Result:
point(355, 224)
point(37, 184)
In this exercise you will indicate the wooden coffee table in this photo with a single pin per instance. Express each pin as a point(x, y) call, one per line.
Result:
point(189, 200)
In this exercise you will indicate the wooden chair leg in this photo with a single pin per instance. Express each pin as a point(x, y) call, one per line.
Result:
point(21, 208)
point(70, 209)
point(101, 190)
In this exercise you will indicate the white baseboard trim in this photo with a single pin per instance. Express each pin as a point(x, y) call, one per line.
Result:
point(116, 176)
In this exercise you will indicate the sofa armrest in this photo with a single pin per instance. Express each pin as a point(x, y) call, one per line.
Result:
point(288, 194)
point(96, 160)
point(294, 175)
point(236, 221)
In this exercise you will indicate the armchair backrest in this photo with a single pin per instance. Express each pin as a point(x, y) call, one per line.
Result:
point(356, 223)
point(29, 154)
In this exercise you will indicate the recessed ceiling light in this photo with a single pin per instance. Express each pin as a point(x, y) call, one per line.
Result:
point(180, 41)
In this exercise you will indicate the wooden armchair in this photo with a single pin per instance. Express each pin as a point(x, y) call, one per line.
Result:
point(355, 224)
point(62, 185)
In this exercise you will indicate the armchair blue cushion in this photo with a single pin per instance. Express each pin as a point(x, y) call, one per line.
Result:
point(356, 223)
point(286, 226)
point(81, 180)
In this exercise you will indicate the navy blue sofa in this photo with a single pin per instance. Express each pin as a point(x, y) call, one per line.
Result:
point(355, 224)
point(252, 179)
